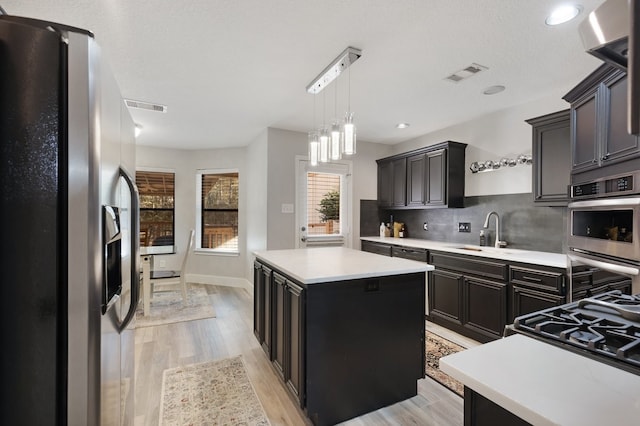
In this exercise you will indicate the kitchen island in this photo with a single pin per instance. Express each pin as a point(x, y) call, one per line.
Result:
point(344, 329)
point(520, 380)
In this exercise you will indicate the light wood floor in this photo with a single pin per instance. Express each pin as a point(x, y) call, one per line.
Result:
point(230, 334)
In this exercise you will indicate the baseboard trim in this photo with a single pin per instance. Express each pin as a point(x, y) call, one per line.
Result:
point(222, 281)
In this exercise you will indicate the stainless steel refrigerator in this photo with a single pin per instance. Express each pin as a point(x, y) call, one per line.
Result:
point(69, 281)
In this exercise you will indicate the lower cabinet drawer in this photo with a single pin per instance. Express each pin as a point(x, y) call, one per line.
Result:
point(410, 253)
point(377, 248)
point(542, 280)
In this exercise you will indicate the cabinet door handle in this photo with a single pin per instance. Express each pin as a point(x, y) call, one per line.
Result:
point(534, 279)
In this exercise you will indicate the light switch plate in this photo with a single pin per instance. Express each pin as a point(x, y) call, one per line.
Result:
point(287, 208)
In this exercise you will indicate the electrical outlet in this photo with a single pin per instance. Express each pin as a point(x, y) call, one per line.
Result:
point(425, 226)
point(464, 227)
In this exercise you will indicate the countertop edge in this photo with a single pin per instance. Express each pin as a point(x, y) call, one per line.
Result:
point(554, 260)
point(408, 267)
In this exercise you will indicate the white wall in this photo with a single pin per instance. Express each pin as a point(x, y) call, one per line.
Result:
point(490, 137)
point(203, 267)
point(256, 181)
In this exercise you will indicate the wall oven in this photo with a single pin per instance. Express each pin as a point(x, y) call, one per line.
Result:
point(604, 236)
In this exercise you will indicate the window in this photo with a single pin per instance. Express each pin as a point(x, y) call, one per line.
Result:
point(217, 221)
point(157, 211)
point(323, 203)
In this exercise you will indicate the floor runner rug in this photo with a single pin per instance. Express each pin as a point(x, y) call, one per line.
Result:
point(210, 393)
point(436, 348)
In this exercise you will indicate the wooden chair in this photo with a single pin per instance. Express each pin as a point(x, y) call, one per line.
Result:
point(152, 277)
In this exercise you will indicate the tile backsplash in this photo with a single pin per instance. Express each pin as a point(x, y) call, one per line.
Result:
point(523, 225)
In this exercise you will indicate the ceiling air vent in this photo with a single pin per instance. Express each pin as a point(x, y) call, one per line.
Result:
point(466, 72)
point(145, 105)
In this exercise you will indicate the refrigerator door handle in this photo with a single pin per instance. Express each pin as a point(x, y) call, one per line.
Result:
point(135, 254)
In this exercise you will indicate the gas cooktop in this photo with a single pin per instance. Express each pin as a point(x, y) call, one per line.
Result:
point(605, 327)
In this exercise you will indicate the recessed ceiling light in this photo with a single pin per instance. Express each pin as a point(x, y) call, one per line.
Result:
point(493, 90)
point(402, 125)
point(563, 13)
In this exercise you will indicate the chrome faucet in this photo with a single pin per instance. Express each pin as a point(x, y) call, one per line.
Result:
point(498, 243)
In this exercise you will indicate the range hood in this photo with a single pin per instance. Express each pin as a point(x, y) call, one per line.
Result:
point(611, 33)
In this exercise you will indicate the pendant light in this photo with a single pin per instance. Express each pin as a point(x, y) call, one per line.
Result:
point(330, 143)
point(336, 150)
point(349, 128)
point(324, 135)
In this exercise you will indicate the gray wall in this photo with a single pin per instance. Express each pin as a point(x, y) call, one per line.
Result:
point(522, 224)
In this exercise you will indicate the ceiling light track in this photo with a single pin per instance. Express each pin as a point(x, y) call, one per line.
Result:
point(334, 69)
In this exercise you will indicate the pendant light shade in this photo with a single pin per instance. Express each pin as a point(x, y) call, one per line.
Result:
point(314, 148)
point(349, 145)
point(324, 146)
point(336, 151)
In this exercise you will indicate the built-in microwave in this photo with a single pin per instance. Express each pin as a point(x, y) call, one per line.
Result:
point(606, 226)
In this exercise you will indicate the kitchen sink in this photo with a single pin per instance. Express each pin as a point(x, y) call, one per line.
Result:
point(482, 249)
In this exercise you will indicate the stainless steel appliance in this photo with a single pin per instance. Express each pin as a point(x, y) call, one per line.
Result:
point(603, 231)
point(612, 33)
point(69, 217)
point(604, 327)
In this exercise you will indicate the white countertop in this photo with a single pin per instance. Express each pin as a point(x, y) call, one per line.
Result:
point(547, 385)
point(326, 264)
point(508, 254)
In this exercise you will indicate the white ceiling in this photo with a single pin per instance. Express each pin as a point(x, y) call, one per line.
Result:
point(228, 69)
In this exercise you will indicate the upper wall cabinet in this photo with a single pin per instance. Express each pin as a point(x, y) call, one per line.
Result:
point(551, 158)
point(428, 177)
point(599, 137)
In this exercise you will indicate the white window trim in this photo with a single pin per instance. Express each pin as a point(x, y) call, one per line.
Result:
point(198, 243)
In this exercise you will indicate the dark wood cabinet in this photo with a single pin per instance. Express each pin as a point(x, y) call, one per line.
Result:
point(551, 147)
point(445, 296)
point(534, 288)
point(525, 301)
point(480, 411)
point(419, 254)
point(262, 306)
point(599, 136)
point(377, 248)
point(468, 295)
point(416, 170)
point(392, 180)
point(279, 305)
point(485, 306)
point(424, 178)
point(435, 186)
point(326, 345)
point(385, 183)
point(294, 338)
point(288, 334)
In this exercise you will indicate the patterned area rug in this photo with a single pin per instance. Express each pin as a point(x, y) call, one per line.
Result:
point(167, 306)
point(436, 348)
point(211, 393)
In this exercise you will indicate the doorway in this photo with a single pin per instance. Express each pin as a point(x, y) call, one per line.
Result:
point(324, 204)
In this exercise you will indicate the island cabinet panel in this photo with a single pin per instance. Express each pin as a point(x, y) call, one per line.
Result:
point(262, 306)
point(278, 358)
point(480, 411)
point(365, 345)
